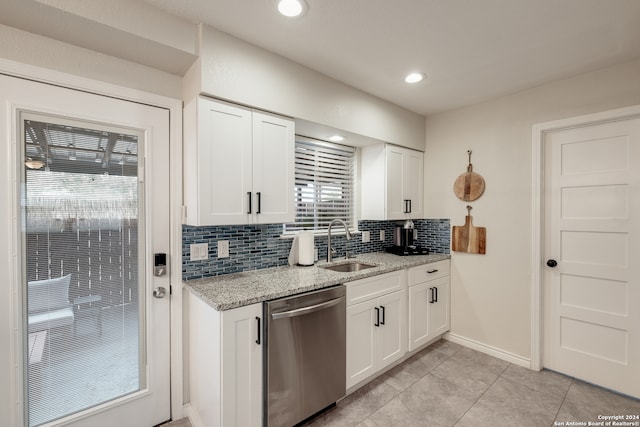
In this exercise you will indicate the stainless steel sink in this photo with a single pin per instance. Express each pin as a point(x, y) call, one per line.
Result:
point(349, 267)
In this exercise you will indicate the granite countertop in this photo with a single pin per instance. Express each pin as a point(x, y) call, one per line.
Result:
point(239, 289)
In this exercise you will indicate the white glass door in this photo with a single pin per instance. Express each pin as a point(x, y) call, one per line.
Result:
point(85, 308)
point(93, 209)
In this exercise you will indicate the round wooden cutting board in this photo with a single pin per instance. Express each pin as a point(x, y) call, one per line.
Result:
point(470, 185)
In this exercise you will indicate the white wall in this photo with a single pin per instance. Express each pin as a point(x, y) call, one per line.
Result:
point(232, 69)
point(32, 49)
point(491, 293)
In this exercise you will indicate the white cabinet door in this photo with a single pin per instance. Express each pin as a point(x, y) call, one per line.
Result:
point(376, 334)
point(241, 388)
point(391, 332)
point(439, 308)
point(273, 168)
point(413, 182)
point(400, 171)
point(239, 165)
point(225, 365)
point(361, 342)
point(224, 164)
point(428, 302)
point(395, 183)
point(419, 298)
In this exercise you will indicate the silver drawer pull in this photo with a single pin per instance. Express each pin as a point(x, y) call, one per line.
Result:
point(306, 310)
point(432, 271)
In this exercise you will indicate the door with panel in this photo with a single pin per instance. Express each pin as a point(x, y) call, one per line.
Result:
point(413, 182)
point(224, 157)
point(391, 330)
point(87, 186)
point(439, 306)
point(591, 246)
point(273, 168)
point(361, 341)
point(396, 206)
point(420, 297)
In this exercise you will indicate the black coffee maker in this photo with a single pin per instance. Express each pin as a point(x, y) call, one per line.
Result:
point(403, 234)
point(403, 240)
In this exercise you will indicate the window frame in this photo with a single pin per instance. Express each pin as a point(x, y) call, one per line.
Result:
point(290, 229)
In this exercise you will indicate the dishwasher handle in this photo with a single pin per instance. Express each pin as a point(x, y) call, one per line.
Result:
point(306, 310)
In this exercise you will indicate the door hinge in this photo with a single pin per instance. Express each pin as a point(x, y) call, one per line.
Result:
point(170, 290)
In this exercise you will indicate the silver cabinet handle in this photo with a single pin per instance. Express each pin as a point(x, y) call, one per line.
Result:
point(306, 310)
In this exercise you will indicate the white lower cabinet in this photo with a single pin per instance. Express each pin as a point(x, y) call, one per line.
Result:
point(225, 365)
point(428, 302)
point(376, 324)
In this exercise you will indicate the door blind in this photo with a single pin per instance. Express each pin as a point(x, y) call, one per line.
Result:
point(324, 185)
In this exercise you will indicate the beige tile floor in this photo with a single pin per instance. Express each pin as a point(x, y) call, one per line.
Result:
point(450, 385)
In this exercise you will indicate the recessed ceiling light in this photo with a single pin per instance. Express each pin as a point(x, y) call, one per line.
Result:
point(336, 138)
point(291, 8)
point(414, 77)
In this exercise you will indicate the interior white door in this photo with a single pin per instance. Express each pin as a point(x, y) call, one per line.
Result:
point(592, 248)
point(146, 400)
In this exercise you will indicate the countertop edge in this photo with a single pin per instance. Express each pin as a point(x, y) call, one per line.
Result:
point(226, 292)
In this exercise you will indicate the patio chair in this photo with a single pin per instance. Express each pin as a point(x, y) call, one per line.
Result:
point(48, 304)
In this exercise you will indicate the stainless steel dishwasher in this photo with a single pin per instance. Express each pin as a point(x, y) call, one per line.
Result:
point(305, 357)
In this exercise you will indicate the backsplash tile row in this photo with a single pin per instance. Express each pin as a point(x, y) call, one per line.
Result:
point(253, 247)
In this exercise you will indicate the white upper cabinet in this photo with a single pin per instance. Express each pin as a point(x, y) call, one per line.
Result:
point(273, 168)
point(238, 165)
point(392, 182)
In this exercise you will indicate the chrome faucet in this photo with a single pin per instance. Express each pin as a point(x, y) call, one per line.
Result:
point(330, 250)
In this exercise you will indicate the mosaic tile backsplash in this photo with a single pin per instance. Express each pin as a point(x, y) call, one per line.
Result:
point(253, 247)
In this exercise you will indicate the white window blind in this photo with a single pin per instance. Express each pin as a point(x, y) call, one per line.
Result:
point(84, 289)
point(324, 185)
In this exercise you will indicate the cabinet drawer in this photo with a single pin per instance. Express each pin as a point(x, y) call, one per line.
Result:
point(426, 272)
point(372, 287)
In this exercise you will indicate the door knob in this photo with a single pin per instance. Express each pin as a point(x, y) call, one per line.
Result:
point(552, 263)
point(160, 292)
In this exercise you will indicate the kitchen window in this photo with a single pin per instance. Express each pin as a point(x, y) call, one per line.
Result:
point(324, 185)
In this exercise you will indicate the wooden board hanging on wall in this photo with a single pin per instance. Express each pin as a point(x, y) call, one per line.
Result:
point(470, 185)
point(469, 238)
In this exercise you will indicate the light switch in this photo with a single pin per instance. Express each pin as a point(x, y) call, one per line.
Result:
point(223, 249)
point(382, 235)
point(199, 251)
point(366, 236)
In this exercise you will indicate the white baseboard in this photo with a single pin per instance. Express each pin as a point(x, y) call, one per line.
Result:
point(194, 419)
point(490, 350)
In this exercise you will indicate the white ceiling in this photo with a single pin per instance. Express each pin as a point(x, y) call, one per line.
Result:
point(470, 50)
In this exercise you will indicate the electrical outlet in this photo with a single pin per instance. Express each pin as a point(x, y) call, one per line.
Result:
point(382, 235)
point(199, 251)
point(223, 249)
point(366, 236)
